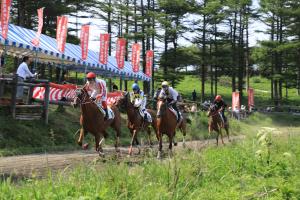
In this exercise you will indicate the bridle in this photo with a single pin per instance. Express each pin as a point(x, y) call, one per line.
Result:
point(84, 96)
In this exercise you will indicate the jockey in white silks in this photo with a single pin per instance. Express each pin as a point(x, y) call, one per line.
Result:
point(139, 101)
point(172, 96)
point(98, 92)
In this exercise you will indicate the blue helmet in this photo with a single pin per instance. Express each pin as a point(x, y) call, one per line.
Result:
point(135, 86)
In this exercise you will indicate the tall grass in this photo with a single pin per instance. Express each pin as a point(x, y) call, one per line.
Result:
point(228, 172)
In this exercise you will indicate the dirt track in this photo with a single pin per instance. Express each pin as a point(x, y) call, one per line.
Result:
point(38, 165)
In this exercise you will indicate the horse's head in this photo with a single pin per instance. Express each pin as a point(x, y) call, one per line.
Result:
point(161, 105)
point(212, 109)
point(123, 101)
point(81, 97)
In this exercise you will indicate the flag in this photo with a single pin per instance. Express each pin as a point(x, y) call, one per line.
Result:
point(250, 97)
point(5, 12)
point(104, 45)
point(149, 62)
point(120, 52)
point(61, 33)
point(84, 41)
point(135, 60)
point(36, 40)
point(236, 100)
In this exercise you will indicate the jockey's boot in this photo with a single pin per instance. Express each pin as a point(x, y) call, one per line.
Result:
point(145, 117)
point(106, 114)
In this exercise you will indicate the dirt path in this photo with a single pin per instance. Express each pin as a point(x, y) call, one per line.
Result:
point(38, 165)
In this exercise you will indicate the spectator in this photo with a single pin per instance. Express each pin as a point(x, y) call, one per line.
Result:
point(23, 73)
point(194, 95)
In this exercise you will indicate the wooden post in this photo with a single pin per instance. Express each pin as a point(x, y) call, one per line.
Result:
point(121, 83)
point(29, 97)
point(46, 102)
point(1, 88)
point(14, 95)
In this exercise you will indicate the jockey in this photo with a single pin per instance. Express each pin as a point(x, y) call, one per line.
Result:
point(221, 106)
point(138, 99)
point(98, 91)
point(171, 95)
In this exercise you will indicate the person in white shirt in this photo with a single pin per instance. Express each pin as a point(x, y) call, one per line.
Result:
point(23, 73)
point(172, 95)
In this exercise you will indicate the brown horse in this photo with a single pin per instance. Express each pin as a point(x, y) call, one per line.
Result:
point(92, 121)
point(136, 122)
point(216, 123)
point(166, 124)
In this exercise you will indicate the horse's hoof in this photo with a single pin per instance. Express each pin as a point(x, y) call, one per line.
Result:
point(79, 143)
point(101, 153)
point(175, 143)
point(85, 146)
point(170, 154)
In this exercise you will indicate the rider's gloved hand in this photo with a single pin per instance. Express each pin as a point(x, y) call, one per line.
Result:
point(92, 98)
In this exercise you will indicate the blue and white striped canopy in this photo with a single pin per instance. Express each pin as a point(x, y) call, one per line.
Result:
point(19, 43)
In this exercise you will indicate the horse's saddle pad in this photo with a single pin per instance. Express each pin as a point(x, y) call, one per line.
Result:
point(174, 112)
point(149, 118)
point(111, 114)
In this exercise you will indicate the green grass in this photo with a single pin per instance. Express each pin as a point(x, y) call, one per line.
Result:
point(261, 89)
point(227, 172)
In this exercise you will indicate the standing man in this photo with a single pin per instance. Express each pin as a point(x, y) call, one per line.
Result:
point(98, 92)
point(23, 73)
point(194, 95)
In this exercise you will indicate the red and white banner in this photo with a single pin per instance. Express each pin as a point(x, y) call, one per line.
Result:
point(68, 92)
point(57, 92)
point(250, 97)
point(84, 41)
point(104, 45)
point(61, 33)
point(135, 59)
point(112, 97)
point(120, 52)
point(5, 12)
point(149, 62)
point(36, 40)
point(235, 101)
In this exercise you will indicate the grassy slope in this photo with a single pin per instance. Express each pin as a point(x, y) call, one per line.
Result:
point(260, 85)
point(227, 172)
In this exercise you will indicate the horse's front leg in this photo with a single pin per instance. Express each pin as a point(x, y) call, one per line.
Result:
point(159, 154)
point(171, 138)
point(134, 133)
point(81, 138)
point(99, 141)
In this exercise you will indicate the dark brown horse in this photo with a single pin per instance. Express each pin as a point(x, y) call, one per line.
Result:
point(92, 121)
point(136, 122)
point(166, 124)
point(216, 123)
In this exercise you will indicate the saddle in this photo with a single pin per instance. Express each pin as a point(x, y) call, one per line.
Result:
point(149, 118)
point(111, 114)
point(178, 118)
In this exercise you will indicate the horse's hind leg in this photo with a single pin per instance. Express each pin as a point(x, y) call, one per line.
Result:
point(159, 154)
point(183, 131)
point(174, 140)
point(149, 136)
point(227, 132)
point(117, 138)
point(100, 141)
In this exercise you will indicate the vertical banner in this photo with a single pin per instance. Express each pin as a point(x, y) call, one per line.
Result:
point(84, 41)
point(235, 100)
point(135, 60)
point(149, 62)
point(61, 33)
point(250, 97)
point(104, 45)
point(5, 11)
point(120, 52)
point(36, 40)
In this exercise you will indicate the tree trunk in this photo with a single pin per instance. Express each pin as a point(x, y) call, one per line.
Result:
point(234, 52)
point(241, 55)
point(203, 71)
point(153, 46)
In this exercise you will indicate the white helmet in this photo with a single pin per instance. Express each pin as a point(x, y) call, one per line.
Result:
point(165, 84)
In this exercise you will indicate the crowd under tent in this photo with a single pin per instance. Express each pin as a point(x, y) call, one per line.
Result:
point(18, 44)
